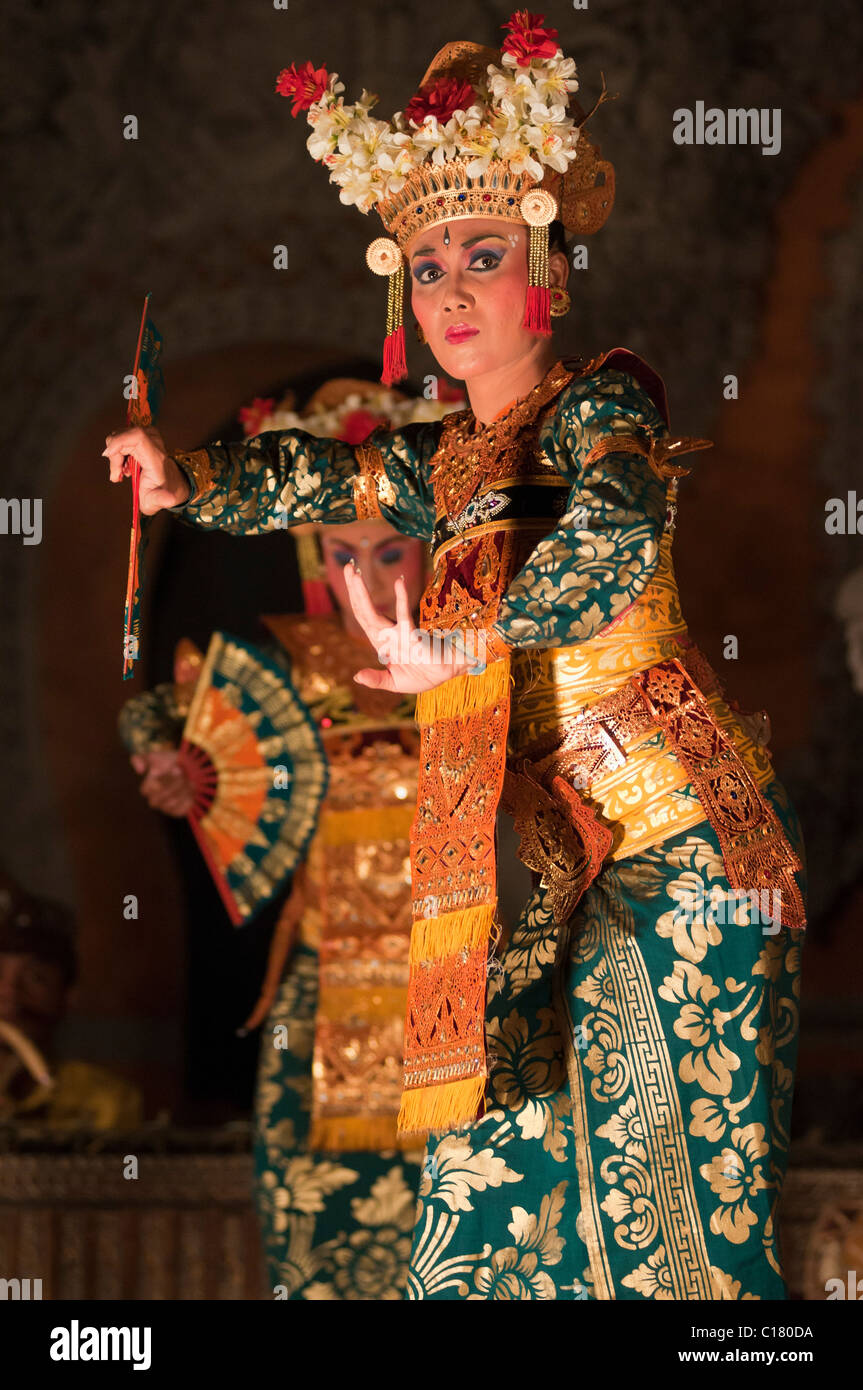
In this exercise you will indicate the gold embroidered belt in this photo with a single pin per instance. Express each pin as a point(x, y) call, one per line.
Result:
point(755, 849)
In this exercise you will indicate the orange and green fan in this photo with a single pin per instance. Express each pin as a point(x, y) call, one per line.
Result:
point(254, 756)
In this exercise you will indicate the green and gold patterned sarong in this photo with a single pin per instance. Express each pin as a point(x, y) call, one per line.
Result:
point(639, 1103)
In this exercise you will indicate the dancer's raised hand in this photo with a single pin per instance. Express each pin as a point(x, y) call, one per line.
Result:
point(414, 661)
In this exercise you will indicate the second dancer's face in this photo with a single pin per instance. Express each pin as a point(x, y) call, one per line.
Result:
point(381, 555)
point(469, 295)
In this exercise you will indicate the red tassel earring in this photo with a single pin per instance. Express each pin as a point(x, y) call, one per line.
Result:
point(385, 258)
point(539, 209)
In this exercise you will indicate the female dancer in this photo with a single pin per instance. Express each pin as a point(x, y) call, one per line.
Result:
point(609, 1105)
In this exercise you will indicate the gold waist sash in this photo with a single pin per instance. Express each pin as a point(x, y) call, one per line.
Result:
point(657, 748)
point(624, 765)
point(639, 784)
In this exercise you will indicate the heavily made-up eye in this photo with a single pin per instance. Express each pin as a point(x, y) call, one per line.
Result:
point(495, 257)
point(422, 272)
point(342, 557)
point(391, 556)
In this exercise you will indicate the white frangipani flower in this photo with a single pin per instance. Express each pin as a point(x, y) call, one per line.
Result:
point(511, 147)
point(396, 160)
point(557, 79)
point(520, 116)
point(526, 164)
point(547, 143)
point(322, 141)
point(440, 140)
point(482, 146)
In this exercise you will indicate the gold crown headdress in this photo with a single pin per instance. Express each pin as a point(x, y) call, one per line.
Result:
point(488, 134)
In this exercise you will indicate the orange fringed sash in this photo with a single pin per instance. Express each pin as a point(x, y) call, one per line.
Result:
point(463, 726)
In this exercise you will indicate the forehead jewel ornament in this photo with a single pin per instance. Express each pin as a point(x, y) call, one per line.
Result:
point(488, 134)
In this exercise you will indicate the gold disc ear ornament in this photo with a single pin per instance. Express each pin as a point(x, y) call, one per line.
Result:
point(538, 207)
point(383, 256)
point(561, 301)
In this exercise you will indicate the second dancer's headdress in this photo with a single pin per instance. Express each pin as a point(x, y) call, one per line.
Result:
point(346, 408)
point(488, 134)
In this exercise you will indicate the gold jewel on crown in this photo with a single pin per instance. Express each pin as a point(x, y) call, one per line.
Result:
point(436, 193)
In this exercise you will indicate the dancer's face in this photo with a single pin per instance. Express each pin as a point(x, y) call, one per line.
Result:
point(477, 281)
point(381, 555)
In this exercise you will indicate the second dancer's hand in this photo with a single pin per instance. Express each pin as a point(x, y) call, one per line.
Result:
point(408, 654)
point(164, 783)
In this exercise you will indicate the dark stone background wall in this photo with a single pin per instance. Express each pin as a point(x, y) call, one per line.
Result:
point(716, 260)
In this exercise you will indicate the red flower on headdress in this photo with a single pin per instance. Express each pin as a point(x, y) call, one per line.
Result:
point(252, 416)
point(358, 425)
point(528, 38)
point(306, 85)
point(445, 96)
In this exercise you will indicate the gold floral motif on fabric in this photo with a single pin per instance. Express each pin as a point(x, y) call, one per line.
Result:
point(648, 1180)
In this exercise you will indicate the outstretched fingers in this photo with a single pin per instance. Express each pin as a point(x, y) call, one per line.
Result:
point(403, 609)
point(369, 619)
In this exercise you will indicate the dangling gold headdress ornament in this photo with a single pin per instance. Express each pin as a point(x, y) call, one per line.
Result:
point(488, 134)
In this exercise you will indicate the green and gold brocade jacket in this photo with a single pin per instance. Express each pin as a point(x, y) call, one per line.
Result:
point(595, 559)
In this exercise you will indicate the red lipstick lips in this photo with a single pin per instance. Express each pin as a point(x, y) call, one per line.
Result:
point(460, 332)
